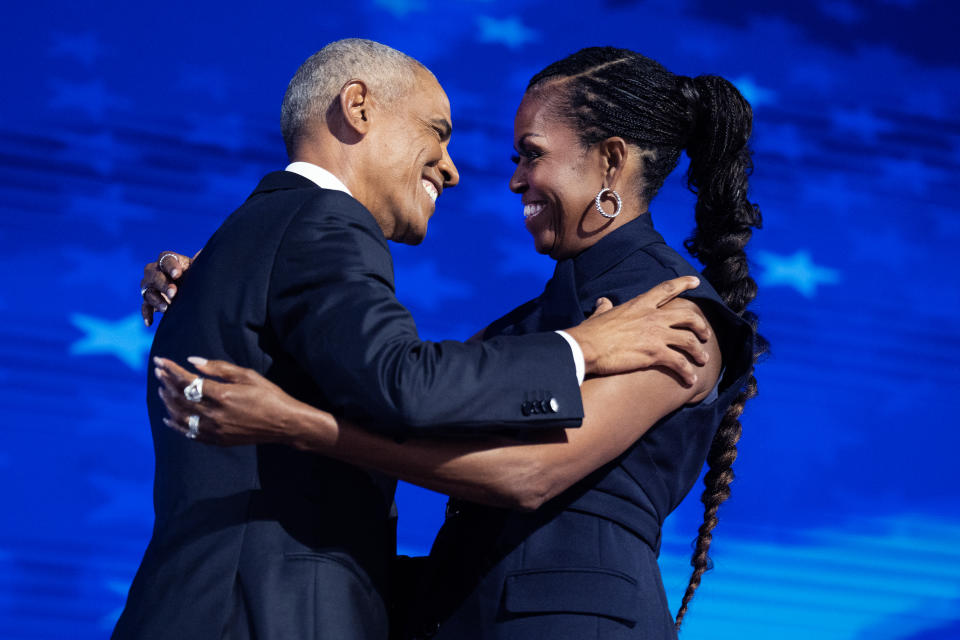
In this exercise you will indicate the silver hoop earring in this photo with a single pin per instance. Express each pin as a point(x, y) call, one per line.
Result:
point(616, 196)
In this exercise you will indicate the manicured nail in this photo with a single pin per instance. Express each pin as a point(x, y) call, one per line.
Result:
point(162, 308)
point(175, 273)
point(157, 361)
point(158, 372)
point(197, 360)
point(171, 292)
point(146, 322)
point(169, 423)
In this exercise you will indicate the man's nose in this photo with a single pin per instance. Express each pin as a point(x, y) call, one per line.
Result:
point(451, 177)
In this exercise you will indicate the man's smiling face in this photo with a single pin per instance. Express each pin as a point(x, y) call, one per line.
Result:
point(410, 155)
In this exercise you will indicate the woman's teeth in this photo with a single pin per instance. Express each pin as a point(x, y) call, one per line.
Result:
point(530, 210)
point(430, 189)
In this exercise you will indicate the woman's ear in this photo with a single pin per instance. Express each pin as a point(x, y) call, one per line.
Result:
point(613, 157)
point(355, 106)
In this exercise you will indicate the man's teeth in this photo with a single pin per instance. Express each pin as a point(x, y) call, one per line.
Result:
point(430, 189)
point(530, 210)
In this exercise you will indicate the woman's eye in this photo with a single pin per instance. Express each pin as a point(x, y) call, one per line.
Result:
point(525, 154)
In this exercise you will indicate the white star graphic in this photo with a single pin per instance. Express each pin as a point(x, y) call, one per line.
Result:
point(127, 339)
point(797, 271)
point(509, 31)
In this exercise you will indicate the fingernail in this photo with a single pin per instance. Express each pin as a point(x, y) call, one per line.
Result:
point(696, 281)
point(157, 361)
point(175, 273)
point(171, 292)
point(168, 422)
point(163, 307)
point(197, 360)
point(146, 322)
point(157, 371)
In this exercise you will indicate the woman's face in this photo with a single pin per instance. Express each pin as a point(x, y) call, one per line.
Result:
point(557, 179)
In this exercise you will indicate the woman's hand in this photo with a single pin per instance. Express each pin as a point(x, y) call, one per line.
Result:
point(238, 406)
point(159, 283)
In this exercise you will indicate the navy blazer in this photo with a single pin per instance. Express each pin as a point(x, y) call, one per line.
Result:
point(585, 564)
point(270, 542)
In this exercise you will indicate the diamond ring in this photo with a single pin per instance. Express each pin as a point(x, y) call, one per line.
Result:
point(194, 391)
point(193, 426)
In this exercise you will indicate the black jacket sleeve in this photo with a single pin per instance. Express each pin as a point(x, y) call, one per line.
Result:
point(332, 304)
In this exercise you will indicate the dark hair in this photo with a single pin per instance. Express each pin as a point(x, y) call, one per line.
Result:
point(608, 92)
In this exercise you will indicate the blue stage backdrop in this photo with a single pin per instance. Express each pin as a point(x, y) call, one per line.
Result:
point(128, 128)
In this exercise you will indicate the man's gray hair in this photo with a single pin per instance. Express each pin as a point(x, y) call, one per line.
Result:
point(388, 73)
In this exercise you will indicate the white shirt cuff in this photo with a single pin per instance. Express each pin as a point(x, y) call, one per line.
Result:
point(578, 361)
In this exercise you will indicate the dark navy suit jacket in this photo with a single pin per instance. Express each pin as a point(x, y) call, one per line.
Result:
point(585, 565)
point(269, 542)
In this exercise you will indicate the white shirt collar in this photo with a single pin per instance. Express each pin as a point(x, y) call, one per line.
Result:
point(318, 175)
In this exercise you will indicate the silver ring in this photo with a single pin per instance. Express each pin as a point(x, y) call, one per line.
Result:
point(193, 426)
point(167, 255)
point(194, 391)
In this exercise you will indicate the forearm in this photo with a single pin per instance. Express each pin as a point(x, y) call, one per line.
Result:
point(494, 471)
point(499, 471)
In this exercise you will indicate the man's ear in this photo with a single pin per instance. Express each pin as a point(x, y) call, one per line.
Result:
point(355, 106)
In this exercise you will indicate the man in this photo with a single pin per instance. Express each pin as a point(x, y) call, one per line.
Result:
point(269, 542)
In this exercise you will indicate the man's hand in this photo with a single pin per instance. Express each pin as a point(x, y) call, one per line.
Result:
point(159, 284)
point(652, 330)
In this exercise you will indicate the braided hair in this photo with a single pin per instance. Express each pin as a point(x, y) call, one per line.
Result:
point(606, 92)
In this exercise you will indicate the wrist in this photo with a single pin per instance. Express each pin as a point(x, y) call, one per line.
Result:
point(587, 348)
point(309, 429)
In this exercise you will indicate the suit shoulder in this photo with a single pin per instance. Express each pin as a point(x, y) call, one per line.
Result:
point(327, 202)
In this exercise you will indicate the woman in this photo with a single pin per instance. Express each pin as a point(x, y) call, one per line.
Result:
point(596, 135)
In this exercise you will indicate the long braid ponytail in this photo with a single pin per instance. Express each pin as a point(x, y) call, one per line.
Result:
point(720, 164)
point(607, 92)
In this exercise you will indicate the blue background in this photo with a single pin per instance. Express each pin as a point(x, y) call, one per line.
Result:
point(127, 128)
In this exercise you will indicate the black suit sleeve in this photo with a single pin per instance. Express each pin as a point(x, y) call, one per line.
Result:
point(332, 304)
